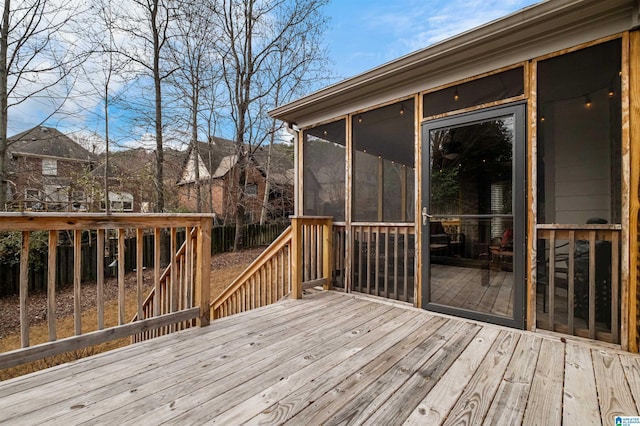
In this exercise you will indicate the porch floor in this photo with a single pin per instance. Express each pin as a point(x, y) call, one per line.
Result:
point(334, 358)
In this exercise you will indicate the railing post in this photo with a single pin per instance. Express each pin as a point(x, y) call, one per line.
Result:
point(327, 250)
point(203, 272)
point(296, 255)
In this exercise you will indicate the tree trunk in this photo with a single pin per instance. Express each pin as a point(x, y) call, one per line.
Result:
point(159, 178)
point(4, 103)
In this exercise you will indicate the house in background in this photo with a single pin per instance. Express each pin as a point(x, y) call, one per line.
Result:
point(219, 179)
point(44, 171)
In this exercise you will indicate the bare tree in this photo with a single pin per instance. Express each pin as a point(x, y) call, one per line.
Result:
point(36, 57)
point(254, 33)
point(148, 25)
point(193, 48)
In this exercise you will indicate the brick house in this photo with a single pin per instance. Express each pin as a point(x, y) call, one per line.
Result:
point(219, 177)
point(45, 171)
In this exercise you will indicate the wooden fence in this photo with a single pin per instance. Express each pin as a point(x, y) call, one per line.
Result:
point(222, 239)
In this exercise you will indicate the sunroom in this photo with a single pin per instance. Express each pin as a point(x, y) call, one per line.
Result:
point(492, 176)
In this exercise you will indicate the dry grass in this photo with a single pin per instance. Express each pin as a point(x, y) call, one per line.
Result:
point(225, 268)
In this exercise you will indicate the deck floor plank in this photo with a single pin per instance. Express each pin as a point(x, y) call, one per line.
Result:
point(473, 404)
point(580, 400)
point(182, 363)
point(340, 343)
point(335, 358)
point(435, 407)
point(614, 393)
point(221, 366)
point(296, 391)
point(545, 398)
point(632, 372)
point(277, 407)
point(511, 399)
point(367, 384)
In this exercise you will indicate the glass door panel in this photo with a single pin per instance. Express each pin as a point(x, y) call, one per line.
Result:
point(473, 223)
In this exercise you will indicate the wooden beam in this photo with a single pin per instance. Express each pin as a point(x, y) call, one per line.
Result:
point(34, 353)
point(296, 255)
point(100, 277)
point(634, 192)
point(139, 266)
point(121, 288)
point(327, 248)
point(77, 281)
point(63, 221)
point(51, 284)
point(203, 273)
point(24, 290)
point(532, 188)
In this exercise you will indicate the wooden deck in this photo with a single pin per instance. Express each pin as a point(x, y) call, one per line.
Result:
point(333, 358)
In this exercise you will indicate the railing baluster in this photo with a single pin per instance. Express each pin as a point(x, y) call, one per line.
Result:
point(139, 277)
point(156, 271)
point(592, 284)
point(571, 277)
point(100, 276)
point(51, 284)
point(615, 289)
point(395, 263)
point(552, 279)
point(77, 277)
point(24, 290)
point(121, 289)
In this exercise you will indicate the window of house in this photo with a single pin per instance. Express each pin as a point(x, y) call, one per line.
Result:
point(49, 167)
point(251, 189)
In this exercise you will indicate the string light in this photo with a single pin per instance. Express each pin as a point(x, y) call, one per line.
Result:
point(401, 109)
point(587, 102)
point(611, 92)
point(456, 96)
point(359, 119)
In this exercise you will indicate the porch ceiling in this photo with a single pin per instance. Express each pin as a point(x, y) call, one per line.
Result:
point(530, 32)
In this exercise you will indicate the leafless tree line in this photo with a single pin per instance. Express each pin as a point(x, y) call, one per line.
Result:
point(170, 68)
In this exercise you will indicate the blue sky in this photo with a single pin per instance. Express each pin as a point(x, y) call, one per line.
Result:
point(364, 34)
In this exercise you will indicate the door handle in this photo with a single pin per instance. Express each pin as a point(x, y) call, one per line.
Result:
point(425, 215)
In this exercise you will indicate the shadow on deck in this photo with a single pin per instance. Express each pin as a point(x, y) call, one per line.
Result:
point(335, 358)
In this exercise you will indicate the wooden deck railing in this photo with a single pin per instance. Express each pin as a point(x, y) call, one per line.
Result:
point(169, 311)
point(578, 280)
point(300, 257)
point(383, 260)
point(165, 298)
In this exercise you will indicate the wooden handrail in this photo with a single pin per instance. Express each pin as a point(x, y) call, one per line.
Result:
point(188, 303)
point(305, 246)
point(278, 244)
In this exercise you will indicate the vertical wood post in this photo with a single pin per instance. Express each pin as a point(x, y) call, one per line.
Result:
point(327, 248)
point(100, 277)
point(296, 256)
point(139, 277)
point(173, 272)
point(121, 294)
point(157, 270)
point(51, 284)
point(24, 290)
point(630, 315)
point(77, 277)
point(203, 272)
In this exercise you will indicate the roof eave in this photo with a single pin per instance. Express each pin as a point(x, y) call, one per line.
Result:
point(550, 16)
